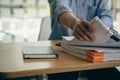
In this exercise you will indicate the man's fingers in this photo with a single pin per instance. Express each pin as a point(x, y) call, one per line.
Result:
point(81, 34)
point(78, 37)
point(84, 31)
point(89, 26)
point(87, 35)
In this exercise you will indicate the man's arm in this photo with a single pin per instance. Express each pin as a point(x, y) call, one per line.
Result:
point(104, 13)
point(83, 30)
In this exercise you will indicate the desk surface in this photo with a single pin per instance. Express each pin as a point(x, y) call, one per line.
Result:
point(13, 65)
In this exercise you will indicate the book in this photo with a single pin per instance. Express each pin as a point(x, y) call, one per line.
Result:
point(106, 47)
point(41, 52)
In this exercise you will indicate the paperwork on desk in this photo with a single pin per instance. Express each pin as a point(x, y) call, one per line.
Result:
point(106, 47)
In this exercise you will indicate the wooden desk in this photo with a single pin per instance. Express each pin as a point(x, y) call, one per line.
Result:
point(13, 65)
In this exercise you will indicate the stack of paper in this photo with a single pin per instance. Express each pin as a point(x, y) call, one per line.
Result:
point(106, 47)
point(93, 54)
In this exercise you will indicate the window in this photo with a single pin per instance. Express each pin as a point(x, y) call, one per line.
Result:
point(22, 19)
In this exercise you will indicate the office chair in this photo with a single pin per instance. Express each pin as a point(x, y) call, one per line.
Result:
point(45, 28)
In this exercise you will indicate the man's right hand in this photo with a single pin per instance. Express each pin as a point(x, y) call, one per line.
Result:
point(84, 31)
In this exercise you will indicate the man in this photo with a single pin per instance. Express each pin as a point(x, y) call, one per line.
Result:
point(72, 17)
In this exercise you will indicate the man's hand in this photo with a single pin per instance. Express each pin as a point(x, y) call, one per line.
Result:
point(84, 31)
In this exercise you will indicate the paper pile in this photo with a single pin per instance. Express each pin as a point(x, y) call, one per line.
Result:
point(106, 47)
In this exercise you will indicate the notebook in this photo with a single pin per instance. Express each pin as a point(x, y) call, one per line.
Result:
point(41, 52)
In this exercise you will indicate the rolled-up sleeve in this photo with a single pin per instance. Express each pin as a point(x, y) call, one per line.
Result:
point(104, 13)
point(58, 7)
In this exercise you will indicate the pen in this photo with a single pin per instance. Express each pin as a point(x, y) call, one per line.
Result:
point(58, 44)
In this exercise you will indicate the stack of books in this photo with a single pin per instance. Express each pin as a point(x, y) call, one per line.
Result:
point(106, 47)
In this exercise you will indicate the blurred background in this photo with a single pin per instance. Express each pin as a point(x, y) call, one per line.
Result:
point(20, 20)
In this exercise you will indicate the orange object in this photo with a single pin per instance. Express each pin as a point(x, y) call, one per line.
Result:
point(94, 53)
point(95, 59)
point(94, 56)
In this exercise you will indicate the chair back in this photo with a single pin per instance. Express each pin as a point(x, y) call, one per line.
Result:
point(45, 28)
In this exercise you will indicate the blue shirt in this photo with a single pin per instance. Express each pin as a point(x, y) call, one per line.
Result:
point(82, 9)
